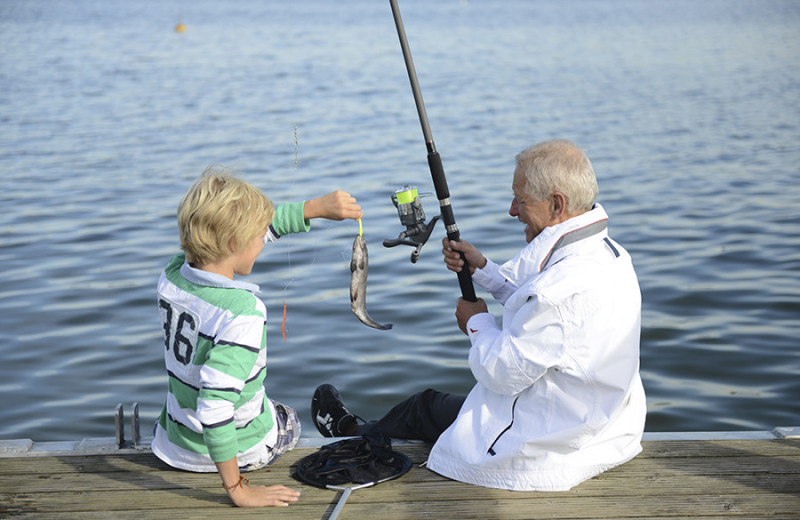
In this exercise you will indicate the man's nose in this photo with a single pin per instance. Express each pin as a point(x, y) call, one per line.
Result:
point(514, 209)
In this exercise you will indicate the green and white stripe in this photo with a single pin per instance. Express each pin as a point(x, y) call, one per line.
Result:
point(215, 354)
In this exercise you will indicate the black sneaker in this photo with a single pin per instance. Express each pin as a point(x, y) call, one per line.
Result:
point(328, 412)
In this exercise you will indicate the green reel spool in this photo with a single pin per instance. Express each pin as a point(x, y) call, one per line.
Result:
point(412, 216)
point(409, 208)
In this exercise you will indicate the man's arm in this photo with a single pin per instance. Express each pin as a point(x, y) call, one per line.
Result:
point(508, 361)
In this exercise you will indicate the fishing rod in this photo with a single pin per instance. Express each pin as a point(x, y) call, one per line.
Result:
point(434, 162)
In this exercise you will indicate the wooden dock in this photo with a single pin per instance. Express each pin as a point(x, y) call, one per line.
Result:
point(678, 476)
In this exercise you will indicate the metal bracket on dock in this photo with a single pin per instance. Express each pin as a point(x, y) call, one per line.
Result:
point(119, 423)
point(136, 438)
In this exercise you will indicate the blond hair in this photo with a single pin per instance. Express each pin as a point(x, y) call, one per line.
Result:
point(220, 212)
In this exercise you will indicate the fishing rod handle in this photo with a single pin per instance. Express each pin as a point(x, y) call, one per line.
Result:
point(465, 282)
point(449, 219)
point(464, 276)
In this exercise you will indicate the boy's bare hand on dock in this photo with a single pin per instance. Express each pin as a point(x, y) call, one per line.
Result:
point(261, 496)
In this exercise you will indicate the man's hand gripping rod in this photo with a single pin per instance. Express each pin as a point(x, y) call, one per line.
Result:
point(434, 161)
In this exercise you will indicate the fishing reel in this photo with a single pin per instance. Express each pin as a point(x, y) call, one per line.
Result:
point(412, 216)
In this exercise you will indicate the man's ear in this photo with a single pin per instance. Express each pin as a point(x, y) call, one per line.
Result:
point(558, 206)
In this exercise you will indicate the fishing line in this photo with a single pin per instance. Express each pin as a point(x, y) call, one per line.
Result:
point(289, 253)
point(284, 328)
point(291, 279)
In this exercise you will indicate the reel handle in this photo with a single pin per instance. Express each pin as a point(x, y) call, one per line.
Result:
point(415, 236)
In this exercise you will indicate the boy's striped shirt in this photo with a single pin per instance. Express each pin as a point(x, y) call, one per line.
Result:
point(215, 354)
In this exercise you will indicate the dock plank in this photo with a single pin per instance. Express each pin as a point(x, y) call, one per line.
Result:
point(671, 479)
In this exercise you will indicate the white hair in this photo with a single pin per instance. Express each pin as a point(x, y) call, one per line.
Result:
point(558, 165)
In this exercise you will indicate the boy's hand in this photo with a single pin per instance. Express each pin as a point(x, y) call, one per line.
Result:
point(337, 205)
point(261, 496)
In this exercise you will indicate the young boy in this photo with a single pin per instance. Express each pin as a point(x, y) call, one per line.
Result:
point(217, 416)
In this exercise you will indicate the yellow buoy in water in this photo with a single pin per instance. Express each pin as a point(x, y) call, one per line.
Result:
point(180, 28)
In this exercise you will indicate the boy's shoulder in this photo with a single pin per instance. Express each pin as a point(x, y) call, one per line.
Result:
point(201, 288)
point(175, 263)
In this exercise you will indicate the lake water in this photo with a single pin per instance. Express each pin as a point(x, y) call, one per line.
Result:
point(690, 112)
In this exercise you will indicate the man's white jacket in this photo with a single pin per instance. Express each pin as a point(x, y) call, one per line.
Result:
point(558, 397)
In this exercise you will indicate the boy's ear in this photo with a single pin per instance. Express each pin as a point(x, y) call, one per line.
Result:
point(232, 246)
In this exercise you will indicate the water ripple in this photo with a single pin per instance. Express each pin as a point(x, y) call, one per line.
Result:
point(688, 111)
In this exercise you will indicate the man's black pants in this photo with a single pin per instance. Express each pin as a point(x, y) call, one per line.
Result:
point(423, 416)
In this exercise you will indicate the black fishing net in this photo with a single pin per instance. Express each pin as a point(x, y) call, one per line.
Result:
point(359, 460)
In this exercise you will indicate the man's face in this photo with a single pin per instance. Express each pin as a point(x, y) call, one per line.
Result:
point(536, 215)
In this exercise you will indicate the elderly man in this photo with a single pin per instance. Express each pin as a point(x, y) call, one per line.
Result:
point(558, 398)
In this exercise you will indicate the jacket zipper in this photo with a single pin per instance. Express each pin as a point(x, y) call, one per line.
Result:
point(513, 407)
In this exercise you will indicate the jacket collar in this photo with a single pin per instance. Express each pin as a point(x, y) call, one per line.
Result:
point(548, 246)
point(200, 277)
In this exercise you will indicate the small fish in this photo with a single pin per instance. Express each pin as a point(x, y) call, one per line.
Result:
point(358, 284)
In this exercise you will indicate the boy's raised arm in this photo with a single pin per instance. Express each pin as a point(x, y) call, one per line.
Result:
point(337, 205)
